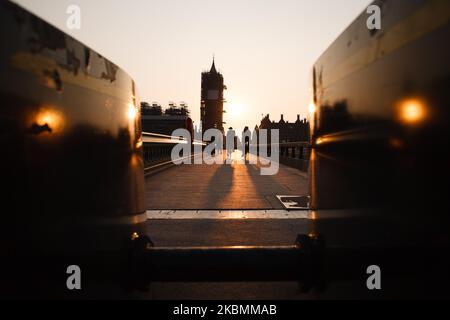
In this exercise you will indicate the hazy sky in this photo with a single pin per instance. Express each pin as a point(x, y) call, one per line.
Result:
point(264, 48)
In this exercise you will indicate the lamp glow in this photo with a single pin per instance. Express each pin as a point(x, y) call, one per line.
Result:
point(412, 111)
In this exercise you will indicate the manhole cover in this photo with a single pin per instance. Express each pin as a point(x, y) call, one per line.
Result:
point(294, 202)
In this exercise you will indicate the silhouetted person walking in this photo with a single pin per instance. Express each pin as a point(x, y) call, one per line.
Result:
point(246, 143)
point(230, 143)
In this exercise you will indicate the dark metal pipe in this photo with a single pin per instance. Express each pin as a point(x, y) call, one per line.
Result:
point(299, 262)
point(225, 263)
point(307, 262)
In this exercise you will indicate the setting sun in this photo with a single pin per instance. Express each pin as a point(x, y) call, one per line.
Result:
point(234, 110)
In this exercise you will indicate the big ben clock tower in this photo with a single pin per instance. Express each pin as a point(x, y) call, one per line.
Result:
point(211, 109)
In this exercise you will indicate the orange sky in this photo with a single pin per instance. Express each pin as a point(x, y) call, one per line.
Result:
point(264, 48)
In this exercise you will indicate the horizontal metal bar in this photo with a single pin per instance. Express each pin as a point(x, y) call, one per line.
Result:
point(224, 264)
point(168, 162)
point(164, 163)
point(307, 262)
point(147, 263)
point(285, 144)
point(151, 137)
point(152, 134)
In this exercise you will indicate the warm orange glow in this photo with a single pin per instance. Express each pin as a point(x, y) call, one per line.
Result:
point(134, 236)
point(396, 143)
point(131, 113)
point(312, 157)
point(50, 117)
point(135, 161)
point(319, 141)
point(46, 117)
point(312, 108)
point(312, 180)
point(412, 111)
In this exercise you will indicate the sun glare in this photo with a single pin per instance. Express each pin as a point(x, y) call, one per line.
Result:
point(131, 112)
point(234, 110)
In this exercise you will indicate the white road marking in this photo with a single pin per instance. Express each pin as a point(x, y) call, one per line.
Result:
point(226, 214)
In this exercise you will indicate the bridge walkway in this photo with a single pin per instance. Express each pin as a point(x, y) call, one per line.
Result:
point(222, 187)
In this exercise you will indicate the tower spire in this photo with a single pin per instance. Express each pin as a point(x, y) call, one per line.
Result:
point(213, 67)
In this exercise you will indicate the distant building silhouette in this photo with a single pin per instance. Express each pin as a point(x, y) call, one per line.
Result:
point(211, 108)
point(154, 109)
point(173, 110)
point(155, 120)
point(289, 131)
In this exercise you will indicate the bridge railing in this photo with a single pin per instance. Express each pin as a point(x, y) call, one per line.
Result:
point(292, 154)
point(295, 154)
point(157, 149)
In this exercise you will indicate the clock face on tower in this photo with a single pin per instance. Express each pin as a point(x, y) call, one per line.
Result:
point(213, 94)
